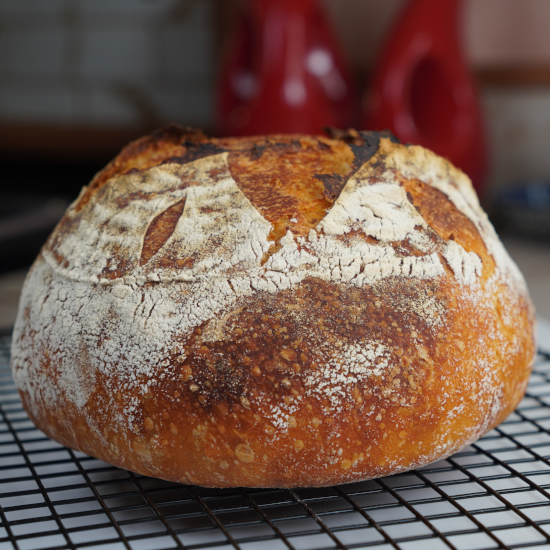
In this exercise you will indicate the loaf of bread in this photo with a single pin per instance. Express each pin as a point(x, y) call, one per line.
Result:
point(273, 311)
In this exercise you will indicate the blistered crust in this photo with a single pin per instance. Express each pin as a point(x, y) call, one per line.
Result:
point(279, 311)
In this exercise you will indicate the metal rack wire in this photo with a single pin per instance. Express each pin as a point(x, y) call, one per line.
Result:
point(493, 494)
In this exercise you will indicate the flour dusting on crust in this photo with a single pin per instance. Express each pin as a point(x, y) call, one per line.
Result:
point(346, 367)
point(466, 266)
point(381, 210)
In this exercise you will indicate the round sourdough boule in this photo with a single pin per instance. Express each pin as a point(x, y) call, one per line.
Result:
point(272, 311)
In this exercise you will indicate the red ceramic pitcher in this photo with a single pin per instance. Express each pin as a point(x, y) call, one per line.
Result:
point(282, 72)
point(422, 90)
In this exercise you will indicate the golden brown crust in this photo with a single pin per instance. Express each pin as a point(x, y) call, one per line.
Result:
point(329, 379)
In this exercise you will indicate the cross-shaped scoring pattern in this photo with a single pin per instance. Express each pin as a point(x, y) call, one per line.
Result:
point(493, 494)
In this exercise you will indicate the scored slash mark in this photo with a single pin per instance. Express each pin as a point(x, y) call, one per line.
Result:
point(160, 230)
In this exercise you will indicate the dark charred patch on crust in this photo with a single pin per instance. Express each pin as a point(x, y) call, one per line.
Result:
point(160, 230)
point(257, 151)
point(323, 145)
point(333, 183)
point(364, 151)
point(364, 146)
point(377, 169)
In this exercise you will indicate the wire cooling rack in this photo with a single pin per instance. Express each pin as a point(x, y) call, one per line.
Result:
point(493, 494)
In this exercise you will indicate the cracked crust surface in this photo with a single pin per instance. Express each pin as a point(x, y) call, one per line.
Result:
point(272, 311)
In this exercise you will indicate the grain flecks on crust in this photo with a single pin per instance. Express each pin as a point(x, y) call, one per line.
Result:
point(183, 323)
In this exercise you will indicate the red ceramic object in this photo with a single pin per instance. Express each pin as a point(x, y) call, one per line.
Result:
point(283, 72)
point(422, 90)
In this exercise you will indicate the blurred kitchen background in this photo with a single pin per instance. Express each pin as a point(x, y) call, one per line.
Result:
point(80, 78)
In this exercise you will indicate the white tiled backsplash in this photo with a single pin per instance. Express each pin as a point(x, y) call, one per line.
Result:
point(142, 63)
point(106, 62)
